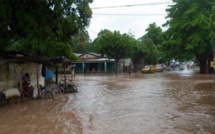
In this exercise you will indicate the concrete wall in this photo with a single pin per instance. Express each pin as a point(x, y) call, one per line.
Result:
point(10, 74)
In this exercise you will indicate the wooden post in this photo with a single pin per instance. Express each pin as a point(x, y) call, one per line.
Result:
point(214, 68)
point(64, 67)
point(56, 75)
point(38, 86)
point(20, 82)
point(20, 77)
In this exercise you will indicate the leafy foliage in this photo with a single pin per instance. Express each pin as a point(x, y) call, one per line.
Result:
point(188, 24)
point(42, 27)
point(151, 52)
point(139, 52)
point(80, 41)
point(115, 45)
point(212, 26)
point(152, 44)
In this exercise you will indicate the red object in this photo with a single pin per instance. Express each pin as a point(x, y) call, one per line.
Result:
point(27, 90)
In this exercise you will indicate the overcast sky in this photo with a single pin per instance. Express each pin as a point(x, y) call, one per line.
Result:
point(141, 17)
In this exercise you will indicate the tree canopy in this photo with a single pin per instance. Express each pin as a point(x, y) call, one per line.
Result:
point(148, 49)
point(42, 27)
point(151, 42)
point(189, 30)
point(212, 25)
point(115, 45)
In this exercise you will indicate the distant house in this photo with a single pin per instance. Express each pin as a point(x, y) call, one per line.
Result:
point(96, 63)
point(92, 62)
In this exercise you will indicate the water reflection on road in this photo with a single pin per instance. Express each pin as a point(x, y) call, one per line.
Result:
point(157, 103)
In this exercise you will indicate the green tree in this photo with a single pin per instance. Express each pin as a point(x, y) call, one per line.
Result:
point(114, 45)
point(151, 52)
point(189, 29)
point(91, 47)
point(212, 17)
point(154, 33)
point(42, 27)
point(80, 41)
point(152, 43)
point(212, 25)
point(139, 52)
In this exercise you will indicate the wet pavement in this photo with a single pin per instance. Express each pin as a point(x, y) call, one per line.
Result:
point(178, 102)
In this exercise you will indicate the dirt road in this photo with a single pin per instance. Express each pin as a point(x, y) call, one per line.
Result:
point(159, 103)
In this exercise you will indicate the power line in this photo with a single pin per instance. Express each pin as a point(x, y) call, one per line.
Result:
point(130, 14)
point(93, 31)
point(145, 4)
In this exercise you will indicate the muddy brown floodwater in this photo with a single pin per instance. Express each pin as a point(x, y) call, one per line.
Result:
point(159, 103)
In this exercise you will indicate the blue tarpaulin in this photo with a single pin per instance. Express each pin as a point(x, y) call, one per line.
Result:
point(49, 74)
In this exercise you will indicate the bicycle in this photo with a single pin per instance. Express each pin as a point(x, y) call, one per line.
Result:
point(67, 88)
point(73, 88)
point(45, 93)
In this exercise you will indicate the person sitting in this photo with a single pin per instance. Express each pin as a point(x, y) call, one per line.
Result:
point(26, 79)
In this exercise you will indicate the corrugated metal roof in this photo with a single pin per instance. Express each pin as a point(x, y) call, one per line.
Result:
point(20, 57)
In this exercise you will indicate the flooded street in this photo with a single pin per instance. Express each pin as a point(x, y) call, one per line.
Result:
point(159, 103)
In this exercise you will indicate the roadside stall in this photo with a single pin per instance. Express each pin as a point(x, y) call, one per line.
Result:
point(15, 65)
